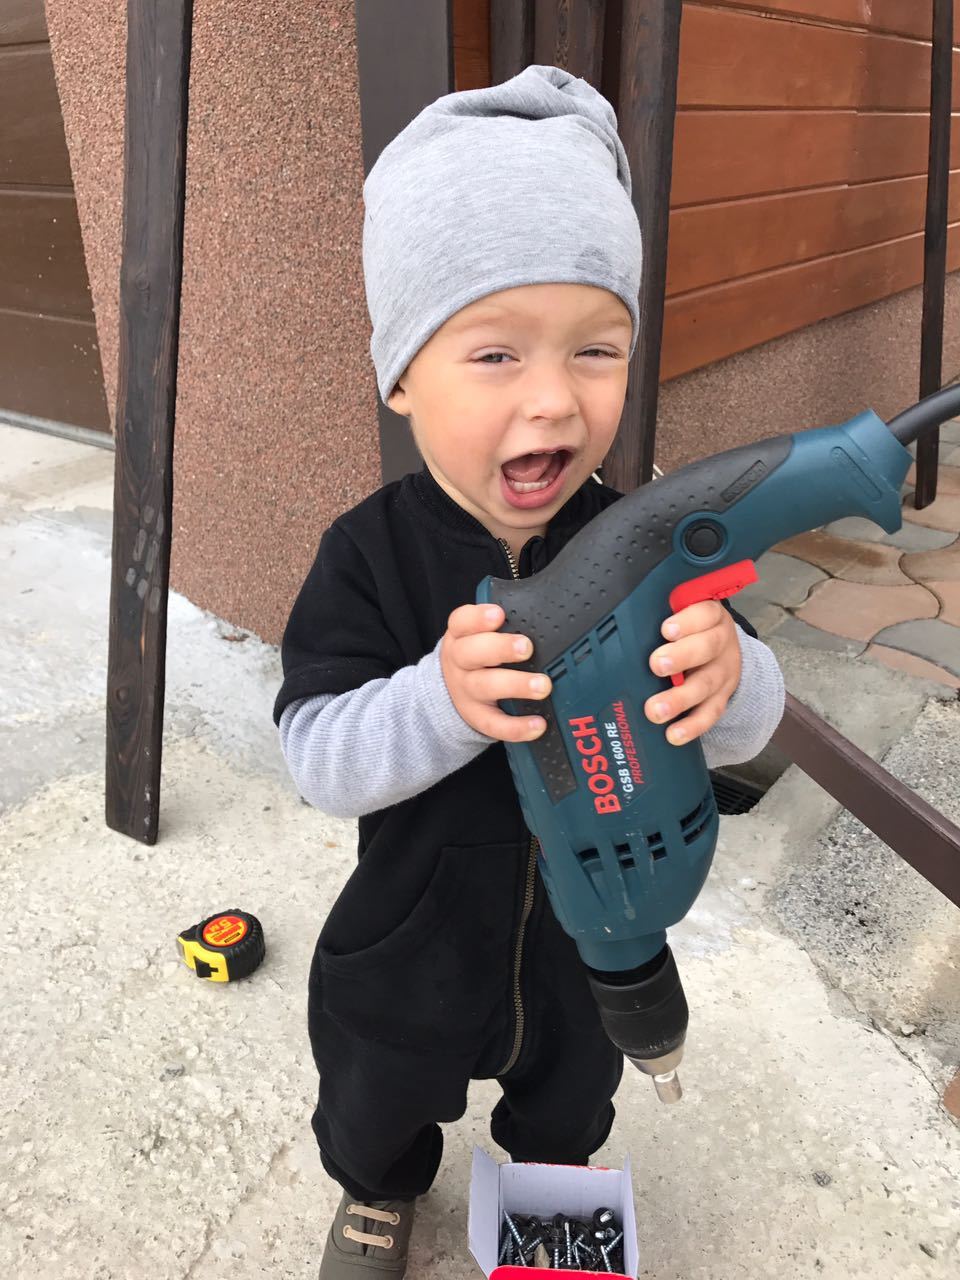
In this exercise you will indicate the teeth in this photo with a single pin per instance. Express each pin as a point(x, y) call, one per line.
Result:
point(532, 486)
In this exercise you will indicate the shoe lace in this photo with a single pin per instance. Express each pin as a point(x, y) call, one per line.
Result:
point(375, 1215)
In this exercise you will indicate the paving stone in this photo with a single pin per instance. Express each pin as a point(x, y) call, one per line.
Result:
point(764, 614)
point(843, 558)
point(910, 537)
point(801, 633)
point(900, 660)
point(932, 639)
point(950, 457)
point(950, 431)
point(951, 1097)
point(784, 580)
point(942, 514)
point(948, 593)
point(858, 611)
point(948, 479)
point(942, 564)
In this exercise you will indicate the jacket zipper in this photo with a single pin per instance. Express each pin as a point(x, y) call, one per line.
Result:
point(525, 913)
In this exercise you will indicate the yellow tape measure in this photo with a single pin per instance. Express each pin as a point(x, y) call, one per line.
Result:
point(223, 947)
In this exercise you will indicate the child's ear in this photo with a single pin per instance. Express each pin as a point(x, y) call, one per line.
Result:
point(397, 401)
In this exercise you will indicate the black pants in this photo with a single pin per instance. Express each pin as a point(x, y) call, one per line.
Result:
point(380, 1105)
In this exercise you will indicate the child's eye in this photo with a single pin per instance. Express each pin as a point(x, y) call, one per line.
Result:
point(497, 357)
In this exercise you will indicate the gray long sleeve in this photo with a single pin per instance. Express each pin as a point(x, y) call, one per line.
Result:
point(356, 752)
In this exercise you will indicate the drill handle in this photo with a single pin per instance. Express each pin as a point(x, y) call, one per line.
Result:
point(708, 515)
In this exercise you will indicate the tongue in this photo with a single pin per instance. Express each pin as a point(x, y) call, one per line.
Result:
point(528, 469)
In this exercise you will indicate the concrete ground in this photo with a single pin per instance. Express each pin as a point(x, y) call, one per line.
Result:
point(154, 1124)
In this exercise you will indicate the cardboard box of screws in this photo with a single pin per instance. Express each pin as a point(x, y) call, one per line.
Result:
point(573, 1218)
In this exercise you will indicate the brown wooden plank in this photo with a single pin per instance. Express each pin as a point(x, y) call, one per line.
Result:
point(898, 17)
point(737, 59)
point(710, 324)
point(157, 79)
point(50, 368)
point(471, 44)
point(33, 150)
point(910, 825)
point(569, 34)
point(42, 267)
point(725, 155)
point(716, 242)
point(22, 21)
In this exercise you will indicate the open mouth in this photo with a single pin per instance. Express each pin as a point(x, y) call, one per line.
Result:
point(534, 479)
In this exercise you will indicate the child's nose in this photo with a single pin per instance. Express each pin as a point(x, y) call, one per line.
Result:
point(550, 394)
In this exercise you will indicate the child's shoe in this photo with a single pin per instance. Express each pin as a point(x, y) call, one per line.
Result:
point(369, 1237)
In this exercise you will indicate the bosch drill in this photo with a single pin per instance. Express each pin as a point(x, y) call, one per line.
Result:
point(627, 823)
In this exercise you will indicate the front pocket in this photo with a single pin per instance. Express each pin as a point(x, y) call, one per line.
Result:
point(439, 974)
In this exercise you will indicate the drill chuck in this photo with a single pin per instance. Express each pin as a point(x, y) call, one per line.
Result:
point(644, 1012)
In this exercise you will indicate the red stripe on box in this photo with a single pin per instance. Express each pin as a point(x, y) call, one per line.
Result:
point(522, 1273)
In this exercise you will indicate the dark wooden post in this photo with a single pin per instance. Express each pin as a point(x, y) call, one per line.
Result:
point(935, 241)
point(158, 62)
point(511, 38)
point(646, 106)
point(629, 50)
point(569, 34)
point(404, 62)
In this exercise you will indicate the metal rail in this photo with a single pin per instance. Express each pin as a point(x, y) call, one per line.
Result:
point(911, 827)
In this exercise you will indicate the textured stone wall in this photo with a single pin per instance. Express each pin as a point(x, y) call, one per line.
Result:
point(276, 411)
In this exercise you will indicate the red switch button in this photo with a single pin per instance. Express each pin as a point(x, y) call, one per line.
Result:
point(718, 585)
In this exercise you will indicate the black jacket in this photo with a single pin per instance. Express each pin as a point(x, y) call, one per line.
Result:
point(443, 878)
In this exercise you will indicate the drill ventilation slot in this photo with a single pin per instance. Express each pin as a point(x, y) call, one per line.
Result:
point(655, 842)
point(694, 823)
point(589, 859)
point(624, 853)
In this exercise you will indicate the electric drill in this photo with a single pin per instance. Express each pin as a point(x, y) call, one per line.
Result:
point(626, 822)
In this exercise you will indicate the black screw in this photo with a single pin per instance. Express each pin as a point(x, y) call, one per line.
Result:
point(602, 1218)
point(584, 1251)
point(506, 1250)
point(607, 1249)
point(512, 1228)
point(533, 1236)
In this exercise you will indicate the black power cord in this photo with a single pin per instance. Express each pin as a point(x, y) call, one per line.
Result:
point(930, 412)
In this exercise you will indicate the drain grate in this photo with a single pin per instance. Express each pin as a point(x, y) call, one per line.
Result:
point(733, 795)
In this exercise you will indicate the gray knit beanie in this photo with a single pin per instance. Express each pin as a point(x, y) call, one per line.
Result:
point(526, 182)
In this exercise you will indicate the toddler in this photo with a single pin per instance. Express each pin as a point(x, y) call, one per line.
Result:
point(502, 262)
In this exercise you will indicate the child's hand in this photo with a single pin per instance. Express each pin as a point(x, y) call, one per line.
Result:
point(471, 655)
point(704, 645)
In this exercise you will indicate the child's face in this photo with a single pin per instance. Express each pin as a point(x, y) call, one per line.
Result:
point(536, 370)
